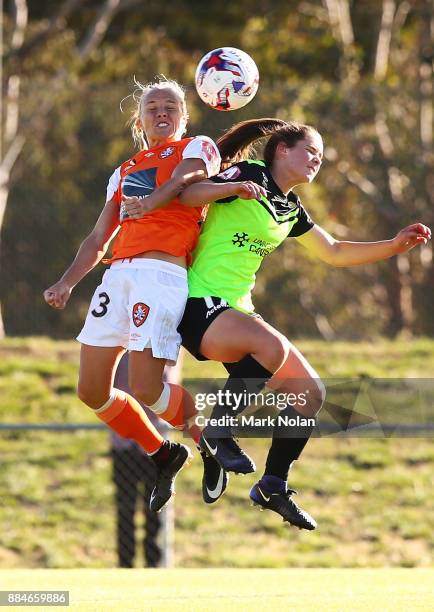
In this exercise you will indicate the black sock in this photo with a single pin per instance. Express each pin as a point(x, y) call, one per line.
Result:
point(246, 376)
point(288, 444)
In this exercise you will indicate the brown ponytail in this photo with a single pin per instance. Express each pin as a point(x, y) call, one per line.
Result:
point(237, 143)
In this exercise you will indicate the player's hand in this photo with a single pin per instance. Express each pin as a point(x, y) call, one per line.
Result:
point(248, 190)
point(134, 208)
point(411, 236)
point(58, 295)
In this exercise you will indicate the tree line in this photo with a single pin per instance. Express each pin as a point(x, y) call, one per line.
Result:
point(360, 71)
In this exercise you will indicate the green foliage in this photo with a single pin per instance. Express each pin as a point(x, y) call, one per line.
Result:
point(75, 137)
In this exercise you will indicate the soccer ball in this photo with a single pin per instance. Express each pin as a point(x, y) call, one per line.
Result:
point(226, 78)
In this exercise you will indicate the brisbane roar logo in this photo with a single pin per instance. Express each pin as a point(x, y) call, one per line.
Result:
point(167, 152)
point(140, 313)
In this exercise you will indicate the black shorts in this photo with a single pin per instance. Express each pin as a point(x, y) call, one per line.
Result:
point(198, 316)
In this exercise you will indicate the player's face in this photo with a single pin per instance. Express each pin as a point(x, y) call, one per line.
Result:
point(162, 117)
point(304, 160)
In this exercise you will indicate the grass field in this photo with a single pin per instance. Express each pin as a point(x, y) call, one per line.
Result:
point(373, 498)
point(204, 590)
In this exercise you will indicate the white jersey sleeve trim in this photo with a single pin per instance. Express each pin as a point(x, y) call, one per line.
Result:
point(202, 147)
point(113, 184)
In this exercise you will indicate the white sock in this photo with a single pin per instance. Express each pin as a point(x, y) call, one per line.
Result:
point(162, 402)
point(113, 395)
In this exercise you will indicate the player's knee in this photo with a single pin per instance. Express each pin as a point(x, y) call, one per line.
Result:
point(91, 397)
point(317, 394)
point(145, 392)
point(273, 352)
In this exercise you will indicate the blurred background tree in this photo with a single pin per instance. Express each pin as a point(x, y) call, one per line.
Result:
point(360, 71)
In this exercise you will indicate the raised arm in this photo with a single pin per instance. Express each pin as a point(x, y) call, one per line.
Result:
point(89, 254)
point(341, 253)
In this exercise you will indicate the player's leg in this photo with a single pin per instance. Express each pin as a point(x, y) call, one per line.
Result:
point(298, 378)
point(157, 298)
point(142, 302)
point(97, 370)
point(145, 376)
point(232, 335)
point(168, 400)
point(215, 478)
point(119, 410)
point(258, 350)
point(146, 383)
point(223, 334)
point(103, 338)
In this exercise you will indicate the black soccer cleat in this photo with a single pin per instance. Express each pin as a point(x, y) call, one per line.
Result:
point(283, 505)
point(167, 471)
point(228, 454)
point(215, 479)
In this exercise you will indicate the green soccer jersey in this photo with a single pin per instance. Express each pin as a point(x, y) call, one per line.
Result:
point(238, 234)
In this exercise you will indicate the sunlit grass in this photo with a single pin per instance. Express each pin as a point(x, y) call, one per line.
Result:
point(328, 590)
point(373, 498)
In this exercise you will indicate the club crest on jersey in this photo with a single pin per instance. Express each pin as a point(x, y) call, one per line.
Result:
point(167, 152)
point(240, 239)
point(140, 313)
point(230, 174)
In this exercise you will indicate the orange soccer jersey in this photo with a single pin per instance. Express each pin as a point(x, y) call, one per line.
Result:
point(173, 229)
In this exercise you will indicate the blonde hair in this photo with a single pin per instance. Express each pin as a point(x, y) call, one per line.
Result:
point(139, 95)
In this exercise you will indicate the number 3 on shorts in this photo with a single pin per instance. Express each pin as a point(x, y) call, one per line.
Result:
point(104, 300)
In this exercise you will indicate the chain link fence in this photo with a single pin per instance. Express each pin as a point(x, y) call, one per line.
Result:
point(68, 499)
point(77, 495)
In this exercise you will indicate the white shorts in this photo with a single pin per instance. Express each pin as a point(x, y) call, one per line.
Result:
point(138, 305)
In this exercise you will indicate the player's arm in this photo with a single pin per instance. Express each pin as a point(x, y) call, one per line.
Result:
point(91, 251)
point(341, 253)
point(238, 181)
point(200, 159)
point(208, 191)
point(188, 171)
